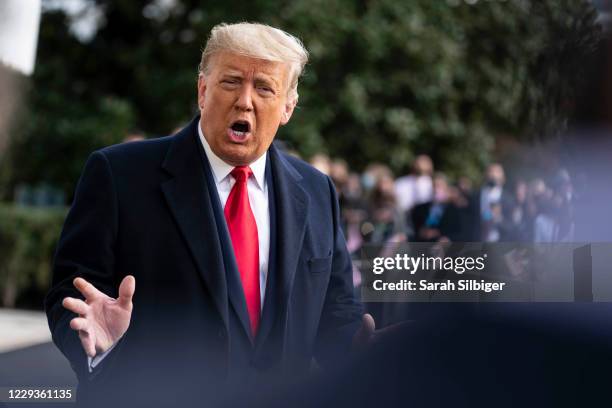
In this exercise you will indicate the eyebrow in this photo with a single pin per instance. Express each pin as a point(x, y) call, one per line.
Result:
point(260, 77)
point(266, 81)
point(232, 76)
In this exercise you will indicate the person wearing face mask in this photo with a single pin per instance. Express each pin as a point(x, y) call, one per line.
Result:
point(438, 219)
point(491, 199)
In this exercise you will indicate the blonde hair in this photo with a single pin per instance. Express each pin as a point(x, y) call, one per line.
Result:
point(257, 41)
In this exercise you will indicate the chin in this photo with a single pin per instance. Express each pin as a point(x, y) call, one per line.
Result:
point(239, 158)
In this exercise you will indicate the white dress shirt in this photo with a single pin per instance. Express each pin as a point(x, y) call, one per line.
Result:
point(257, 187)
point(258, 198)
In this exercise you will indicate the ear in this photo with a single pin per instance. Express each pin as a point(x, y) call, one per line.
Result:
point(288, 110)
point(201, 91)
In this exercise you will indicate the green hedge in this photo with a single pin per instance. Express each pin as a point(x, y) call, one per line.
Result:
point(28, 237)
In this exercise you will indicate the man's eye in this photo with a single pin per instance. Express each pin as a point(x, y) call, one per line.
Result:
point(265, 89)
point(229, 81)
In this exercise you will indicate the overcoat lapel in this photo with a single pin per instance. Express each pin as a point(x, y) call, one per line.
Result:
point(291, 213)
point(232, 275)
point(268, 313)
point(189, 199)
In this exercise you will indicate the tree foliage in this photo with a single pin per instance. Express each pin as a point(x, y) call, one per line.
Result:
point(27, 242)
point(387, 79)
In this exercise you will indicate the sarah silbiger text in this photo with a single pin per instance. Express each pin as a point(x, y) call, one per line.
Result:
point(471, 285)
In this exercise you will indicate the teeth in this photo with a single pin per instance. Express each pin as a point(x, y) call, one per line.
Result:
point(237, 133)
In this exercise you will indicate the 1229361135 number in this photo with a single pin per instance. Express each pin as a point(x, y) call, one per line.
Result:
point(38, 394)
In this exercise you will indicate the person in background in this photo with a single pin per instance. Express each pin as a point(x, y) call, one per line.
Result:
point(464, 206)
point(372, 173)
point(321, 162)
point(465, 186)
point(339, 172)
point(490, 199)
point(354, 209)
point(387, 221)
point(417, 187)
point(438, 219)
point(469, 206)
point(554, 221)
point(518, 215)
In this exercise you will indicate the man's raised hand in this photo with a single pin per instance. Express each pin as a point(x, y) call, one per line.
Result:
point(102, 320)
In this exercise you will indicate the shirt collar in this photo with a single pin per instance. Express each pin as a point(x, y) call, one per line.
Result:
point(221, 169)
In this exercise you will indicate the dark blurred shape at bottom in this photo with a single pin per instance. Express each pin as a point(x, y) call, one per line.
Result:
point(504, 355)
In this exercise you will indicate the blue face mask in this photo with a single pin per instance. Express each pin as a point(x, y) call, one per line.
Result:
point(368, 181)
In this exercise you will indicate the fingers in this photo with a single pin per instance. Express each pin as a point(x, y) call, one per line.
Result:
point(126, 291)
point(75, 305)
point(79, 323)
point(364, 336)
point(87, 289)
point(88, 343)
point(367, 324)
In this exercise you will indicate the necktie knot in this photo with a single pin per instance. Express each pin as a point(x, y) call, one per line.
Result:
point(241, 173)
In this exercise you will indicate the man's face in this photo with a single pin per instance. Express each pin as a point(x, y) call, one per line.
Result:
point(243, 101)
point(495, 174)
point(423, 165)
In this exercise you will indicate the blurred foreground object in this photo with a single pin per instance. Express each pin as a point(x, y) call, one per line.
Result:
point(19, 21)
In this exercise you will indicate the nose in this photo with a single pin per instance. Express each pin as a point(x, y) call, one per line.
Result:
point(245, 100)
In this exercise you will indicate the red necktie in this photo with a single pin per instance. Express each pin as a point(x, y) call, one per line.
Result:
point(243, 231)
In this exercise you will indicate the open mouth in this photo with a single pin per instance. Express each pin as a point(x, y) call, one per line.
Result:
point(241, 126)
point(239, 130)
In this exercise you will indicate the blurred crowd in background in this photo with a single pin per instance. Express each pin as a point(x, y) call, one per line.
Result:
point(427, 206)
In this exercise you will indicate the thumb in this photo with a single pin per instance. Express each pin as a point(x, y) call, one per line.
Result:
point(367, 324)
point(362, 339)
point(126, 291)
